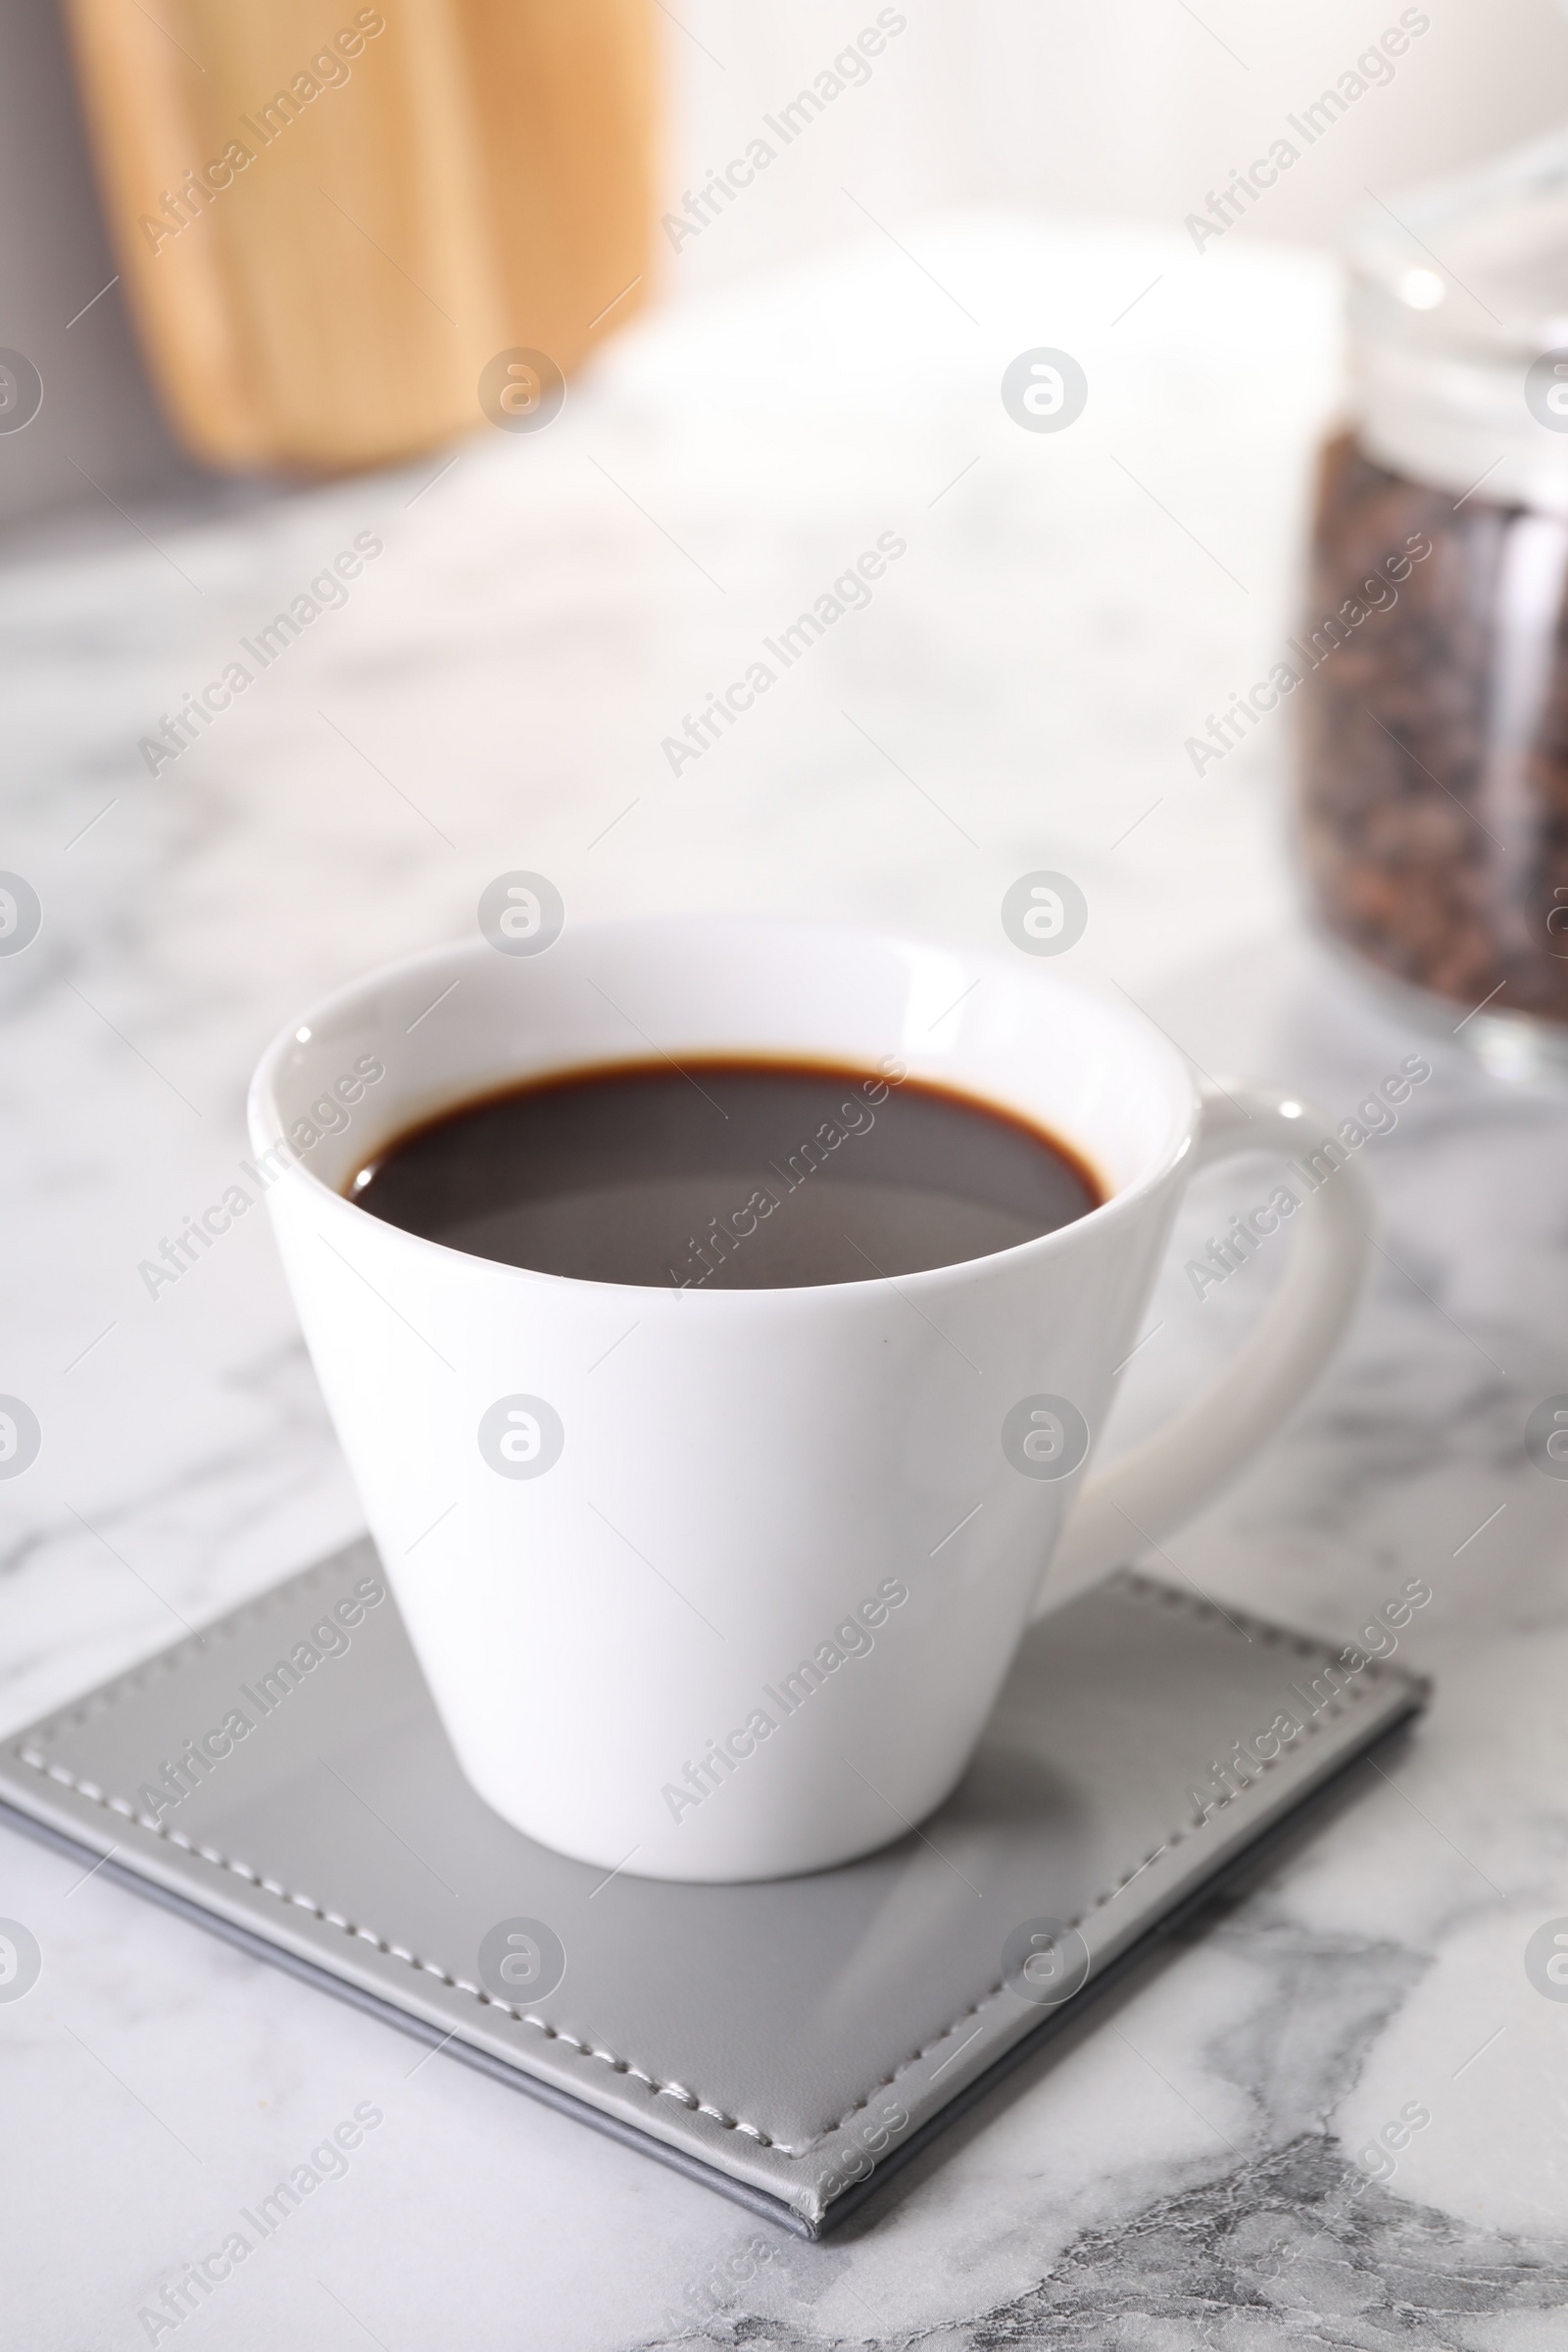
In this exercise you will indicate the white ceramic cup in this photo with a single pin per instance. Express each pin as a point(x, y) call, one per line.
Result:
point(721, 1584)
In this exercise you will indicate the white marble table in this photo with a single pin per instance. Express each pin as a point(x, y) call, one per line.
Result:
point(494, 694)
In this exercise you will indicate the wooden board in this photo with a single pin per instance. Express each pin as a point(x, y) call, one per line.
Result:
point(330, 218)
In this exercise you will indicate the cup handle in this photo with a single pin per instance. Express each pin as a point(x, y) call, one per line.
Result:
point(1169, 1476)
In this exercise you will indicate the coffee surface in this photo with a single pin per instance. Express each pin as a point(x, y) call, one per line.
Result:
point(726, 1175)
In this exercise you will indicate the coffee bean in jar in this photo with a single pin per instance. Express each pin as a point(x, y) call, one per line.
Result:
point(1433, 746)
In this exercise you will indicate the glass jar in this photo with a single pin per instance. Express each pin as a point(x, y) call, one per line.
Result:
point(1433, 656)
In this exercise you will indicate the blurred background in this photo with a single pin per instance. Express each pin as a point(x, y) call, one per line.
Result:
point(1132, 113)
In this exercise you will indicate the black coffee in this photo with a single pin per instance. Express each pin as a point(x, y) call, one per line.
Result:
point(726, 1175)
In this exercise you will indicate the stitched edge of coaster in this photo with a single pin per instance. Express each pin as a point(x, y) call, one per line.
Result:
point(1148, 1590)
point(397, 1951)
point(179, 1653)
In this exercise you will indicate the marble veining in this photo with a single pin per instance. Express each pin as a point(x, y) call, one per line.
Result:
point(1193, 2168)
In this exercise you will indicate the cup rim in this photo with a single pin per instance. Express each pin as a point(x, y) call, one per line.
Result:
point(264, 1122)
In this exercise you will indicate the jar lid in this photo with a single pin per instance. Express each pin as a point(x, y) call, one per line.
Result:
point(1459, 331)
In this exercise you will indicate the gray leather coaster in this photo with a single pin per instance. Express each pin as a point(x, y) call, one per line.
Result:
point(791, 2042)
